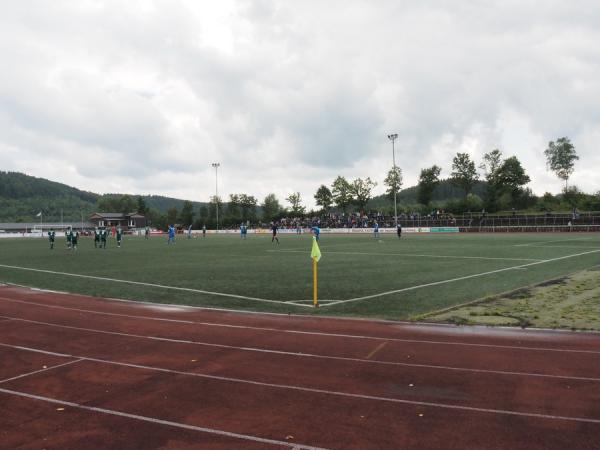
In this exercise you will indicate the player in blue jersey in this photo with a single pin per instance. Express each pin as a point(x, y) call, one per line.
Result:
point(316, 232)
point(376, 230)
point(171, 232)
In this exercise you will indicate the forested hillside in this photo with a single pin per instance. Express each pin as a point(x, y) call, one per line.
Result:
point(22, 197)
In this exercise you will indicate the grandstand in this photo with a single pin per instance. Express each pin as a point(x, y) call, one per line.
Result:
point(468, 222)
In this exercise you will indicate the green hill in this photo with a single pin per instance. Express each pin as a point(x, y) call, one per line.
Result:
point(444, 191)
point(22, 197)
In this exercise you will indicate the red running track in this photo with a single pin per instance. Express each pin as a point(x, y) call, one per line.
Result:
point(81, 372)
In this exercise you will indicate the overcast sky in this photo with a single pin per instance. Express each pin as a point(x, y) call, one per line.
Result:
point(141, 97)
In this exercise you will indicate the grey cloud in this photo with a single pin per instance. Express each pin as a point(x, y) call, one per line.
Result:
point(305, 84)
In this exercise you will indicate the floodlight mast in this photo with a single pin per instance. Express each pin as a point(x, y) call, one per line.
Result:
point(393, 137)
point(216, 166)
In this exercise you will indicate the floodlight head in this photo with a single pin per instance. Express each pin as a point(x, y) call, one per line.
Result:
point(215, 165)
point(392, 137)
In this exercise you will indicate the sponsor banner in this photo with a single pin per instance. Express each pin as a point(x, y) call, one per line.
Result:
point(444, 229)
point(416, 229)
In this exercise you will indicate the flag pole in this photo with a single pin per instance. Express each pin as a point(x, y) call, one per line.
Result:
point(315, 255)
point(315, 277)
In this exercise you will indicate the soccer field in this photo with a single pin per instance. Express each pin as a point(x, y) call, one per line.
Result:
point(358, 275)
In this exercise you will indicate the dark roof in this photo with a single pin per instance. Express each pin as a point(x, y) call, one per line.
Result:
point(117, 215)
point(109, 215)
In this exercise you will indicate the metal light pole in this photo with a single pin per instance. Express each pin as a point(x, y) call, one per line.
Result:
point(393, 137)
point(216, 166)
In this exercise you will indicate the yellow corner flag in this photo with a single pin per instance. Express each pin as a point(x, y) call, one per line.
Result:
point(315, 254)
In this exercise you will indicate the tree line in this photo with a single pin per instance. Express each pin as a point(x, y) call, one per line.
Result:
point(500, 187)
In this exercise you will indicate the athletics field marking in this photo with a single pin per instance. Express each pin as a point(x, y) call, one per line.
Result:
point(297, 389)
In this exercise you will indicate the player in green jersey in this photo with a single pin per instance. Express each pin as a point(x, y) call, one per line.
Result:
point(96, 237)
point(74, 238)
point(119, 236)
point(69, 236)
point(103, 234)
point(51, 236)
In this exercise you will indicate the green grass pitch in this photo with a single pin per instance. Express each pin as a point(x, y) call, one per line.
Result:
point(400, 279)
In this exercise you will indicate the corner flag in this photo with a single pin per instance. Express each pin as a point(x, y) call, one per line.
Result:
point(315, 253)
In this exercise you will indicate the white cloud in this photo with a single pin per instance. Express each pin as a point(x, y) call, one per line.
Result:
point(142, 96)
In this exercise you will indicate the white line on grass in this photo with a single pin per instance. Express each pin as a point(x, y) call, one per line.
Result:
point(317, 391)
point(561, 246)
point(411, 255)
point(466, 277)
point(296, 354)
point(555, 240)
point(41, 370)
point(299, 332)
point(140, 283)
point(160, 421)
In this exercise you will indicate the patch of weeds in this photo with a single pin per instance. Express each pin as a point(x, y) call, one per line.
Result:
point(555, 281)
point(524, 322)
point(518, 294)
point(457, 320)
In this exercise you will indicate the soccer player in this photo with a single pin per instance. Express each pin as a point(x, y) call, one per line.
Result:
point(146, 232)
point(376, 230)
point(203, 231)
point(51, 236)
point(119, 236)
point(171, 239)
point(103, 234)
point(316, 231)
point(74, 237)
point(274, 230)
point(399, 230)
point(69, 236)
point(96, 237)
point(243, 231)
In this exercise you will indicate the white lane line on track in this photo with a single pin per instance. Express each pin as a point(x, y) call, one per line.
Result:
point(466, 277)
point(140, 283)
point(160, 421)
point(340, 393)
point(311, 355)
point(300, 332)
point(40, 371)
point(410, 254)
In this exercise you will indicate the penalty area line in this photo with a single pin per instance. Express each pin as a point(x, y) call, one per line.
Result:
point(466, 277)
point(160, 286)
point(411, 255)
